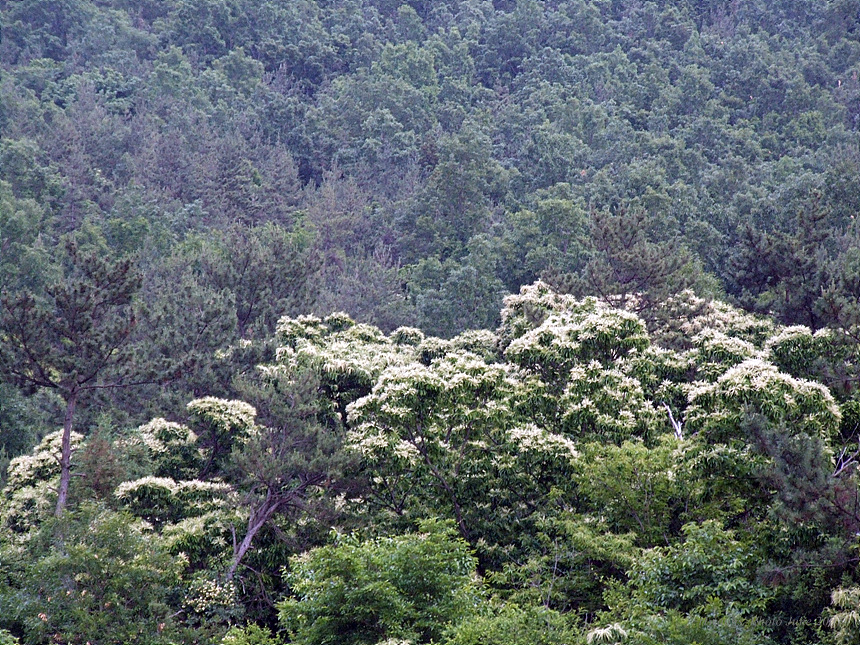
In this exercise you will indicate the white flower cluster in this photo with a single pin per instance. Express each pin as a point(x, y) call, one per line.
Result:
point(792, 334)
point(348, 357)
point(367, 440)
point(406, 451)
point(401, 388)
point(601, 333)
point(731, 321)
point(207, 596)
point(527, 310)
point(207, 530)
point(159, 434)
point(42, 464)
point(438, 401)
point(716, 352)
point(796, 347)
point(289, 330)
point(480, 342)
point(158, 494)
point(310, 329)
point(606, 401)
point(804, 406)
point(407, 336)
point(530, 438)
point(145, 486)
point(538, 294)
point(655, 360)
point(229, 416)
point(27, 506)
point(195, 491)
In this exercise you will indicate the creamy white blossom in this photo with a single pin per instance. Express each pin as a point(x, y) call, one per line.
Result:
point(803, 406)
point(530, 438)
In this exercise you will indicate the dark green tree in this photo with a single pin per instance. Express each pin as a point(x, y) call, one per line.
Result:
point(74, 339)
point(784, 273)
point(628, 267)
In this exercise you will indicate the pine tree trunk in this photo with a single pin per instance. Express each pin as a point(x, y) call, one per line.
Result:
point(66, 456)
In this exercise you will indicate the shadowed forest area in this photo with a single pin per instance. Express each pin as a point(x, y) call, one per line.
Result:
point(461, 322)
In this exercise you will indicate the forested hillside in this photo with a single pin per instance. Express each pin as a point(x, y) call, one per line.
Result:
point(362, 321)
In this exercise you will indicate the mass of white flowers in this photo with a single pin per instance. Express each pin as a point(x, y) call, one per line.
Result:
point(481, 342)
point(538, 294)
point(206, 596)
point(406, 451)
point(563, 339)
point(528, 309)
point(41, 464)
point(796, 347)
point(731, 321)
point(606, 401)
point(229, 416)
point(21, 472)
point(202, 532)
point(792, 334)
point(25, 507)
point(715, 353)
point(145, 486)
point(289, 330)
point(353, 354)
point(803, 406)
point(159, 434)
point(531, 438)
point(195, 491)
point(368, 440)
point(407, 336)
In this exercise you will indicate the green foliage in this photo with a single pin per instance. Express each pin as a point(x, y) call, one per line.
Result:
point(407, 587)
point(24, 254)
point(547, 238)
point(65, 338)
point(93, 575)
point(408, 164)
point(625, 264)
point(8, 639)
point(635, 489)
point(22, 422)
point(250, 635)
point(571, 559)
point(452, 296)
point(674, 628)
point(512, 625)
point(708, 574)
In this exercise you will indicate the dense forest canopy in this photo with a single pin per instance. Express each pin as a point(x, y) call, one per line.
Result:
point(479, 322)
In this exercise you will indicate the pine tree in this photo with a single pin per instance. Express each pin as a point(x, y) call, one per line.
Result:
point(74, 338)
